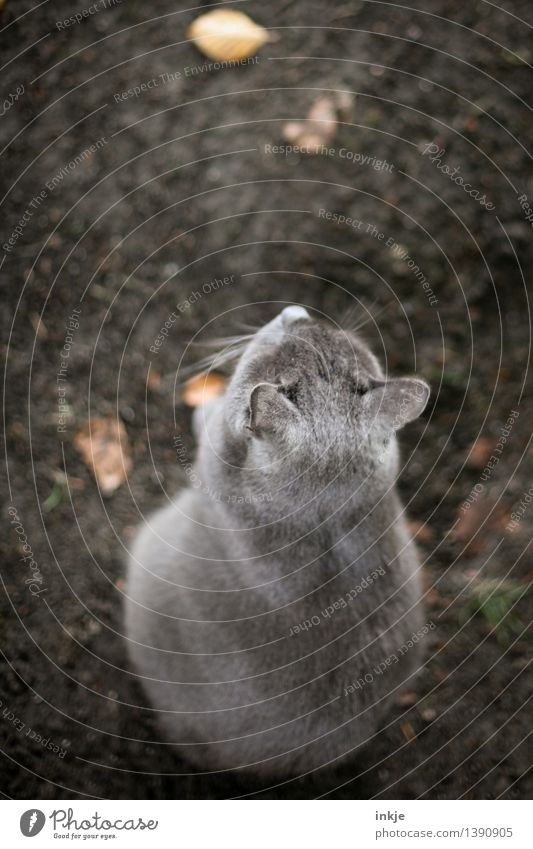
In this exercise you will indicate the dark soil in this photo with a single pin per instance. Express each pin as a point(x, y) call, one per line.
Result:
point(180, 191)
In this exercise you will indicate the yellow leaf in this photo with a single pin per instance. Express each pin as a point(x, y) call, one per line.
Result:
point(227, 35)
point(202, 388)
point(103, 444)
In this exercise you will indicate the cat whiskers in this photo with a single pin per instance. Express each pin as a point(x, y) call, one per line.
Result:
point(228, 350)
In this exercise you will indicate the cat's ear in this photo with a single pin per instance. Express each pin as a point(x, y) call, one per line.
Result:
point(271, 414)
point(395, 403)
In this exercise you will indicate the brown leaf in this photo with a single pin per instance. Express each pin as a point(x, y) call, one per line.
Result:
point(472, 525)
point(38, 325)
point(153, 379)
point(408, 731)
point(432, 598)
point(319, 128)
point(422, 532)
point(407, 698)
point(103, 444)
point(227, 35)
point(481, 451)
point(202, 388)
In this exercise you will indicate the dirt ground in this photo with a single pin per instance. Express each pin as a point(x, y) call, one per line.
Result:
point(183, 188)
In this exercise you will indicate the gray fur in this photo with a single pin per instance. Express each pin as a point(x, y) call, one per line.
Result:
point(234, 616)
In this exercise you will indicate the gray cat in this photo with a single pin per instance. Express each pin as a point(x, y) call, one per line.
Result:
point(274, 607)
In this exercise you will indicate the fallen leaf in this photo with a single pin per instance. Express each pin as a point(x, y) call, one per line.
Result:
point(408, 731)
point(433, 599)
point(319, 128)
point(480, 452)
point(153, 379)
point(407, 698)
point(54, 499)
point(421, 531)
point(471, 125)
point(103, 444)
point(472, 525)
point(202, 388)
point(227, 35)
point(38, 325)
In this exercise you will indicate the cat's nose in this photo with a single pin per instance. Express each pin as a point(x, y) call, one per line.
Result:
point(293, 313)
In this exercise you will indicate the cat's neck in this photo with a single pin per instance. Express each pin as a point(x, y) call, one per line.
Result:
point(263, 521)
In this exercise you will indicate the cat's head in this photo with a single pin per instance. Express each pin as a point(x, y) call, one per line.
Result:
point(305, 392)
